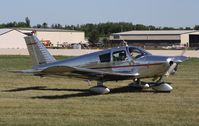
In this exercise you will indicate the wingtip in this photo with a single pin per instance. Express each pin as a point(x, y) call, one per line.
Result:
point(180, 59)
point(23, 71)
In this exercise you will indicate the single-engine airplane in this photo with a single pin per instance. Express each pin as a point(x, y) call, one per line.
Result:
point(114, 64)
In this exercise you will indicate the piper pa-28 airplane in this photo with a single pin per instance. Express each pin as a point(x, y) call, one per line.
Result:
point(114, 64)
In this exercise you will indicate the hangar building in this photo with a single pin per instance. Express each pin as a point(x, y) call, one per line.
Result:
point(57, 36)
point(12, 39)
point(157, 38)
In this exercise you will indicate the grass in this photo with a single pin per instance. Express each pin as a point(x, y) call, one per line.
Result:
point(28, 100)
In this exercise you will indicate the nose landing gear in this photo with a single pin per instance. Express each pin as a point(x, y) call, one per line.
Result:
point(159, 85)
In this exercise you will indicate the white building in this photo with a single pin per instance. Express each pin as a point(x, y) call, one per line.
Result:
point(159, 37)
point(57, 36)
point(12, 39)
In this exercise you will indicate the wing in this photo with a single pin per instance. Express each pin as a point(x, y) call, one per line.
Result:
point(179, 59)
point(26, 71)
point(86, 73)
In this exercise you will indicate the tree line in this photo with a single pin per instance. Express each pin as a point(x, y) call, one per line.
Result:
point(14, 24)
point(94, 31)
point(103, 29)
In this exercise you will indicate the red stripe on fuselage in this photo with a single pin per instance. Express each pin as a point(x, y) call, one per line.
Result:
point(137, 65)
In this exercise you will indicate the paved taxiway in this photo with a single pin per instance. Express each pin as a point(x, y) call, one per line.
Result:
point(77, 52)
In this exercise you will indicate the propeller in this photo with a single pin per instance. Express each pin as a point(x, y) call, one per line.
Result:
point(172, 69)
point(173, 65)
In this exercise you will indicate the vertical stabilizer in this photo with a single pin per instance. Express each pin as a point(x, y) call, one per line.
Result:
point(38, 51)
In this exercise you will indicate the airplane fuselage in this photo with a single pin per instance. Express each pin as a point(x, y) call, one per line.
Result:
point(108, 60)
point(113, 64)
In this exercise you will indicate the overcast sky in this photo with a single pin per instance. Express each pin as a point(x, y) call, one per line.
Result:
point(175, 13)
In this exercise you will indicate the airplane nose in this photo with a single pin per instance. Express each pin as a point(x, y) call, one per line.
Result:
point(173, 67)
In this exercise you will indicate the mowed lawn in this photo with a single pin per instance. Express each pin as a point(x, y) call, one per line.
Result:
point(28, 100)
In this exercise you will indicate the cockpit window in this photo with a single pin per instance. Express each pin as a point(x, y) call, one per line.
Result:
point(119, 55)
point(135, 53)
point(105, 57)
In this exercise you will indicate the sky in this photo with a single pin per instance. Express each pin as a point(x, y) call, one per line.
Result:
point(172, 13)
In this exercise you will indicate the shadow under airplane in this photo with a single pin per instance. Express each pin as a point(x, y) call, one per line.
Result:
point(80, 92)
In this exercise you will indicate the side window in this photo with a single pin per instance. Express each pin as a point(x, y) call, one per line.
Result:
point(119, 55)
point(105, 57)
point(135, 53)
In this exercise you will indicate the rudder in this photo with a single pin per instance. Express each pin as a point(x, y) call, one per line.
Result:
point(38, 51)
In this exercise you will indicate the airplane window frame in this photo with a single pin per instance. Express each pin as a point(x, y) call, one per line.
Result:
point(139, 53)
point(119, 57)
point(105, 58)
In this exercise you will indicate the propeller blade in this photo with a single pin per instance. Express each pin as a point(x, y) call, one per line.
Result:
point(170, 70)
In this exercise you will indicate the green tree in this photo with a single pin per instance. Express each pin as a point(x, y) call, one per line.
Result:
point(27, 22)
point(106, 42)
point(21, 24)
point(93, 37)
point(38, 26)
point(140, 27)
point(151, 27)
point(44, 25)
point(196, 27)
point(188, 28)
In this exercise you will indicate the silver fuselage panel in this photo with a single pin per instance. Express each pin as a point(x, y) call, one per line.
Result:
point(146, 65)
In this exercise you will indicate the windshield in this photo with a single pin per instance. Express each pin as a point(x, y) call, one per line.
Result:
point(136, 52)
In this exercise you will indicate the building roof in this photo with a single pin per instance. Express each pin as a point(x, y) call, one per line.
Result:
point(6, 30)
point(10, 38)
point(157, 32)
point(45, 30)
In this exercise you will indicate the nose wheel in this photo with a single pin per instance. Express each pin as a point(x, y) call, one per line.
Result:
point(162, 87)
point(159, 85)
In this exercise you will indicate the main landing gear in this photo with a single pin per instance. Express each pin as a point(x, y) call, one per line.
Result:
point(159, 86)
point(137, 84)
point(100, 89)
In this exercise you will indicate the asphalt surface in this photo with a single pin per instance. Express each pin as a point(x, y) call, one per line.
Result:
point(77, 52)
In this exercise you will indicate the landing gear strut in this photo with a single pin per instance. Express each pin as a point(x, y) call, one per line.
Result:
point(100, 88)
point(137, 84)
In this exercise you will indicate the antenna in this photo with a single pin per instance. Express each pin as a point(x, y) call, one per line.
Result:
point(123, 42)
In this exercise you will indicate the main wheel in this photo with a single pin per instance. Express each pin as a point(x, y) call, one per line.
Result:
point(100, 89)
